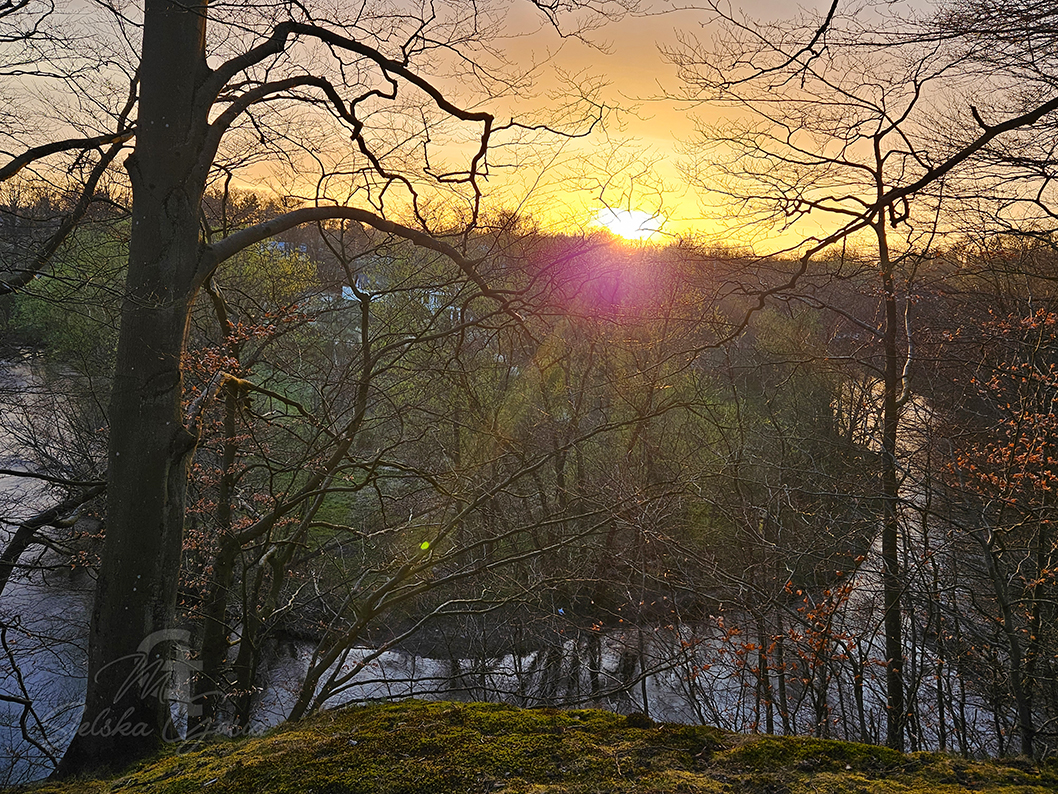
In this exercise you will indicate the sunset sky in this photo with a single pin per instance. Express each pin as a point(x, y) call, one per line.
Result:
point(638, 152)
point(629, 170)
point(634, 166)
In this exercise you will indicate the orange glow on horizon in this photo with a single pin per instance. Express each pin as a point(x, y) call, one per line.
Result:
point(629, 224)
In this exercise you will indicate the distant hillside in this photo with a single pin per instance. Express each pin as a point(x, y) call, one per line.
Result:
point(418, 747)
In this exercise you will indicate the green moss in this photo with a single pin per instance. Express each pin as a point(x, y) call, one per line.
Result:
point(450, 748)
point(814, 755)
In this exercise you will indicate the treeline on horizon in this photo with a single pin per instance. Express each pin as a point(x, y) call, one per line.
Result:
point(628, 467)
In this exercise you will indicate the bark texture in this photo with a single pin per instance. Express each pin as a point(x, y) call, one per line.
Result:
point(126, 712)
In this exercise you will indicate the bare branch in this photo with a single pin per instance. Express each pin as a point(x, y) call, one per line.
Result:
point(224, 249)
point(46, 150)
point(63, 514)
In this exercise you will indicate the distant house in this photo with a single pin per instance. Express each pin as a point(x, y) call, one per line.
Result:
point(286, 248)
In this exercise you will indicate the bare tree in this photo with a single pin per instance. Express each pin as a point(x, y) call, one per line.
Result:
point(842, 132)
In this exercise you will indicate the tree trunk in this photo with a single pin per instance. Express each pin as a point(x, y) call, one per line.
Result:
point(894, 650)
point(208, 684)
point(764, 692)
point(126, 712)
point(247, 661)
point(1020, 685)
point(780, 666)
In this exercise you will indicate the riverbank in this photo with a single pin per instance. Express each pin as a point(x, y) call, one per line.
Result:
point(450, 748)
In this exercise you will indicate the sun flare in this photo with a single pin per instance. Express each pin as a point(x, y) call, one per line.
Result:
point(629, 224)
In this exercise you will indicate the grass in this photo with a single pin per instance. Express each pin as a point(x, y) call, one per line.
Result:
point(417, 747)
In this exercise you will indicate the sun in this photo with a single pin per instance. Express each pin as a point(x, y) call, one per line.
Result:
point(629, 224)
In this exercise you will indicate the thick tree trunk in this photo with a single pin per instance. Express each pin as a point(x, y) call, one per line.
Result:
point(126, 712)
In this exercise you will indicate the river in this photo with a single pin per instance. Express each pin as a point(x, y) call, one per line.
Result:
point(683, 673)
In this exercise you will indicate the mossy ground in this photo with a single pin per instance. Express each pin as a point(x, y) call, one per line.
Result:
point(417, 747)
